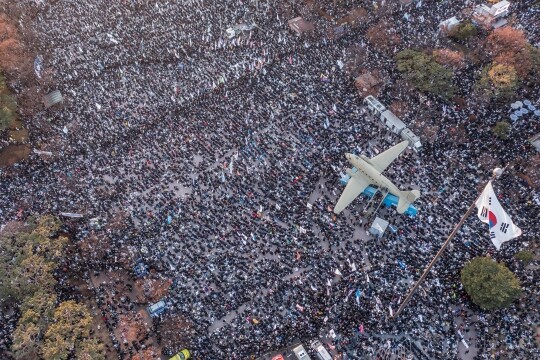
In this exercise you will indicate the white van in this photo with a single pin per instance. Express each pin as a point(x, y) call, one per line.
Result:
point(301, 353)
point(320, 350)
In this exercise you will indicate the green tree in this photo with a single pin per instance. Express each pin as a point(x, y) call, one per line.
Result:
point(91, 349)
point(464, 31)
point(52, 249)
point(11, 254)
point(21, 276)
point(501, 130)
point(28, 259)
point(56, 347)
point(491, 285)
point(37, 312)
point(40, 307)
point(48, 225)
point(425, 73)
point(26, 341)
point(32, 274)
point(72, 321)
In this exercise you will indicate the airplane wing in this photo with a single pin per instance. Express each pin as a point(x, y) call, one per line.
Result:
point(354, 187)
point(384, 159)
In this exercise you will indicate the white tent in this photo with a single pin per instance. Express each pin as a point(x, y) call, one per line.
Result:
point(378, 227)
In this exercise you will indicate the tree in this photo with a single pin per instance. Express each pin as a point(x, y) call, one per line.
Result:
point(52, 249)
point(449, 57)
point(502, 76)
point(56, 347)
point(490, 285)
point(425, 74)
point(400, 108)
point(11, 253)
point(12, 54)
point(48, 225)
point(354, 58)
point(501, 130)
point(28, 258)
point(38, 309)
point(132, 327)
point(464, 31)
point(26, 341)
point(34, 273)
point(356, 17)
point(72, 321)
point(498, 80)
point(509, 46)
point(91, 349)
point(505, 39)
point(520, 61)
point(535, 65)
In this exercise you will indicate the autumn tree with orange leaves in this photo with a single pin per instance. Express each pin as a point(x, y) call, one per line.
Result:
point(451, 58)
point(506, 39)
point(509, 46)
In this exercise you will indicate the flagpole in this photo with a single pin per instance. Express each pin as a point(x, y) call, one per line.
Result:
point(496, 174)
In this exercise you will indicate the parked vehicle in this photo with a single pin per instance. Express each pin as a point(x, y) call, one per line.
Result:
point(184, 354)
point(320, 350)
point(301, 353)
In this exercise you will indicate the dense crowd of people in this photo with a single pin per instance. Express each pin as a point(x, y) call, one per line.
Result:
point(226, 154)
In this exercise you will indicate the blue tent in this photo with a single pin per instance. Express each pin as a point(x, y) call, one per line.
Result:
point(157, 308)
point(388, 201)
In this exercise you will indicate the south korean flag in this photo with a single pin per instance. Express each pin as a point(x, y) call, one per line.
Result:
point(490, 211)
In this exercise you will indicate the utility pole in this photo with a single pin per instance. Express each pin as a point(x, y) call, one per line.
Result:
point(497, 172)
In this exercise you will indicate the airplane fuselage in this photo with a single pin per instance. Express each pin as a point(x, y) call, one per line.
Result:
point(364, 167)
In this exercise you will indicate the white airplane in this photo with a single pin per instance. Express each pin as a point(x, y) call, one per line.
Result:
point(369, 172)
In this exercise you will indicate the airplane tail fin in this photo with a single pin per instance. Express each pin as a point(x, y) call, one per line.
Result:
point(405, 199)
